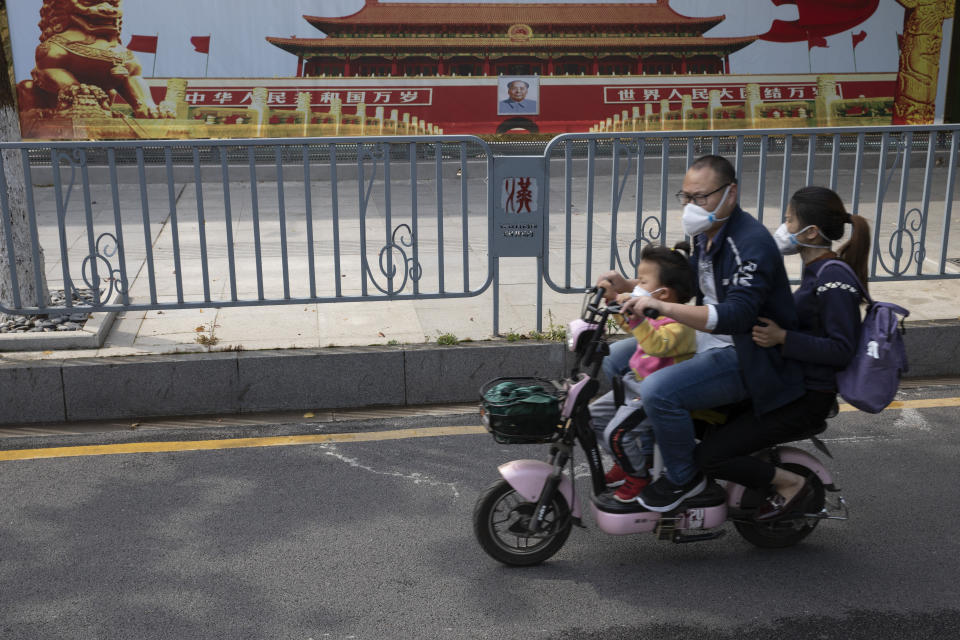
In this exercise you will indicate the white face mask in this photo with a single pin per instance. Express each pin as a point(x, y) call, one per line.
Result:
point(788, 244)
point(696, 219)
point(640, 291)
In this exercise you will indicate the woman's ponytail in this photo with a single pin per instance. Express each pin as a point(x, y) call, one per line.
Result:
point(856, 251)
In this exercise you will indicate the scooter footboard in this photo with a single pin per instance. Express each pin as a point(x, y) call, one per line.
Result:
point(528, 478)
point(787, 455)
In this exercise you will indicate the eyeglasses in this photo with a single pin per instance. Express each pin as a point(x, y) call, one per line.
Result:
point(698, 199)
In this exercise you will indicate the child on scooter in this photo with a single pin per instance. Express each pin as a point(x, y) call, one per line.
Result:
point(665, 274)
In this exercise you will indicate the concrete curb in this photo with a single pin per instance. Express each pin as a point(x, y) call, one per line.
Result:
point(91, 335)
point(62, 390)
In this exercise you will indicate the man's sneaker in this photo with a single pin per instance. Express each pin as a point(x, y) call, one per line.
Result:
point(662, 495)
point(631, 488)
point(615, 477)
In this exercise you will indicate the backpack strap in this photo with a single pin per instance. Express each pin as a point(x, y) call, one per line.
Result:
point(870, 302)
point(849, 269)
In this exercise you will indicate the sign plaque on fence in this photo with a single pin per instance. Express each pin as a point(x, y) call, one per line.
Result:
point(518, 206)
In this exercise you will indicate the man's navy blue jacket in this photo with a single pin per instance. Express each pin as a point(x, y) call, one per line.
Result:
point(751, 281)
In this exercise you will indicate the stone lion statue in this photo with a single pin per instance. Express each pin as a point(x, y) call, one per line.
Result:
point(81, 65)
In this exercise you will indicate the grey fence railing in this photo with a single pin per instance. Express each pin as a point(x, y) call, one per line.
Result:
point(218, 223)
point(173, 225)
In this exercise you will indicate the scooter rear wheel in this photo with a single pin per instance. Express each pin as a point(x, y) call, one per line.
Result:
point(500, 522)
point(787, 531)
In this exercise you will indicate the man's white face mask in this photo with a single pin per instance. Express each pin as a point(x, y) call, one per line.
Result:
point(696, 219)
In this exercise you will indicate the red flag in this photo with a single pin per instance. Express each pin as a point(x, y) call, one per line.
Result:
point(201, 43)
point(143, 44)
point(816, 41)
point(858, 38)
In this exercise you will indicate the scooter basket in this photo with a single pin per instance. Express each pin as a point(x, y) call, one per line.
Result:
point(521, 410)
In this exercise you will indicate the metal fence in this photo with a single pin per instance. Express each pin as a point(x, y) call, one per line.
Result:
point(220, 223)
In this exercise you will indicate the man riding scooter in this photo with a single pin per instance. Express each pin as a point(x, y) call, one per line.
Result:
point(741, 276)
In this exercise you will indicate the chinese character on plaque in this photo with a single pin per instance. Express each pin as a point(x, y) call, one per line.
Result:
point(519, 195)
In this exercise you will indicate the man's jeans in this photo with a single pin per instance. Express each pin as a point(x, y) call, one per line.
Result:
point(709, 379)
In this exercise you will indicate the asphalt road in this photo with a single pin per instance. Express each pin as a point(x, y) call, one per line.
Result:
point(373, 540)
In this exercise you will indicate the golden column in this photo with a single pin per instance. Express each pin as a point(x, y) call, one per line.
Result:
point(916, 93)
point(175, 102)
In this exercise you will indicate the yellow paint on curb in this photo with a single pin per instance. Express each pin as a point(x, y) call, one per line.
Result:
point(233, 443)
point(282, 441)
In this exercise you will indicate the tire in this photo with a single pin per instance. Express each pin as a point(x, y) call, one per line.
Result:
point(500, 520)
point(785, 532)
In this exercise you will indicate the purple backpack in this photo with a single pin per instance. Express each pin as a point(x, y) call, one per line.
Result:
point(870, 381)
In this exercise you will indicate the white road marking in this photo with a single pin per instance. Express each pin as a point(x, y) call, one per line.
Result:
point(911, 419)
point(417, 478)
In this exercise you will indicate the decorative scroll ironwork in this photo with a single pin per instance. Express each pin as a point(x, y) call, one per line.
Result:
point(636, 246)
point(115, 283)
point(395, 251)
point(904, 243)
point(412, 270)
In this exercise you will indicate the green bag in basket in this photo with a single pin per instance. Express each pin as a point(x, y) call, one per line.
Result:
point(521, 413)
point(514, 400)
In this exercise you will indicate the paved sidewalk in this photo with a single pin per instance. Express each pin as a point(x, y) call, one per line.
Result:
point(388, 323)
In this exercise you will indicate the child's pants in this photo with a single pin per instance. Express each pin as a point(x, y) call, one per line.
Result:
point(620, 431)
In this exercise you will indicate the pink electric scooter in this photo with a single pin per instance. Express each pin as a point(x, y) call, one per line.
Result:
point(526, 517)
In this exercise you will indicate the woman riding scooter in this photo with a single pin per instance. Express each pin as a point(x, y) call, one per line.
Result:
point(828, 305)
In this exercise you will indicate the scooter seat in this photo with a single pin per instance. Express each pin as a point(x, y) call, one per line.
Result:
point(712, 496)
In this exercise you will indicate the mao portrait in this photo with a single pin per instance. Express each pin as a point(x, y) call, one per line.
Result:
point(518, 95)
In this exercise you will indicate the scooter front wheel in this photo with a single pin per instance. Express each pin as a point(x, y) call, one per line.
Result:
point(501, 521)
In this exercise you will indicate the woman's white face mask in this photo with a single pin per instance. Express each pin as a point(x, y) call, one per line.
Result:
point(696, 219)
point(788, 244)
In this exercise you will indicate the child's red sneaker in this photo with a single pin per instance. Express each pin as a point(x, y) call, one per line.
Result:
point(631, 488)
point(615, 477)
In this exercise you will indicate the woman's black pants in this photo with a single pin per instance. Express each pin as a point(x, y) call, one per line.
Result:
point(725, 453)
